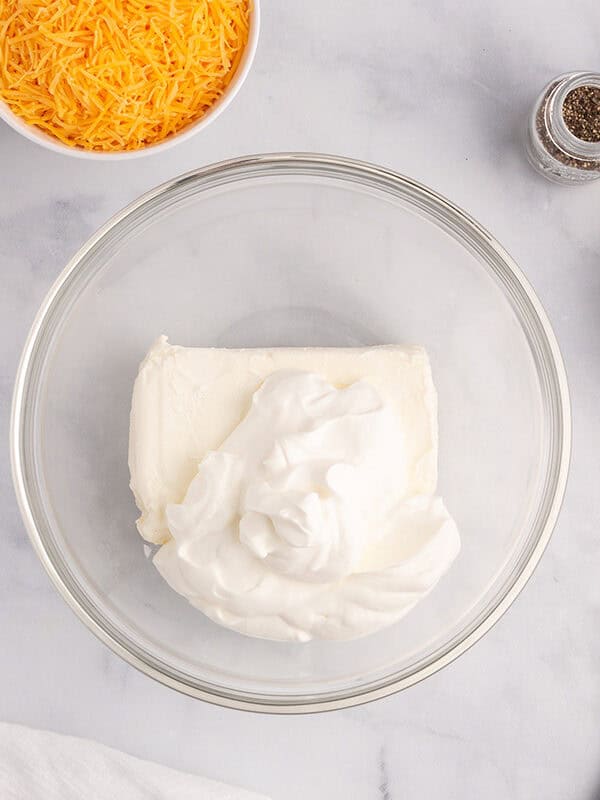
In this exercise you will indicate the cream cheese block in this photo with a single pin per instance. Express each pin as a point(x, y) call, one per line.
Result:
point(187, 400)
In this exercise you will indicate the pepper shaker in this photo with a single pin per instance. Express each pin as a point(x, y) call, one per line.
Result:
point(563, 134)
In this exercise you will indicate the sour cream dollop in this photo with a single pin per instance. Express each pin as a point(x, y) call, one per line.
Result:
point(301, 525)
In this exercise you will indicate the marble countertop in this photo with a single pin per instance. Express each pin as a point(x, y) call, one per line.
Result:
point(439, 91)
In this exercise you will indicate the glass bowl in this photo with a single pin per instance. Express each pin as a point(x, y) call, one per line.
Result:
point(290, 250)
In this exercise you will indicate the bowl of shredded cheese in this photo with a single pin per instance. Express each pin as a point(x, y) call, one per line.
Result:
point(114, 79)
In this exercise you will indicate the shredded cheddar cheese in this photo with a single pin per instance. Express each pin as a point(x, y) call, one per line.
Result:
point(118, 74)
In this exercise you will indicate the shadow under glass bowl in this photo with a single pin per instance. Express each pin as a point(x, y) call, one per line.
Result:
point(290, 249)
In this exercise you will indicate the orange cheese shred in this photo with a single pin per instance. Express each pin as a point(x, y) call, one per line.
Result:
point(112, 75)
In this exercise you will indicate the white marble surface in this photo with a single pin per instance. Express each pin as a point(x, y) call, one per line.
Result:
point(440, 91)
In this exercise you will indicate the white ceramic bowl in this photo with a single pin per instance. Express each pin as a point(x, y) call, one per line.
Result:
point(34, 134)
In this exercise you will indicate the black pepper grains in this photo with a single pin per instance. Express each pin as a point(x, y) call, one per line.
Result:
point(581, 113)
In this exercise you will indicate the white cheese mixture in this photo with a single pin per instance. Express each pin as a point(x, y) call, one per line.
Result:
point(292, 490)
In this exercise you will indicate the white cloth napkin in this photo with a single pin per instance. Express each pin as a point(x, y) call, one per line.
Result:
point(38, 765)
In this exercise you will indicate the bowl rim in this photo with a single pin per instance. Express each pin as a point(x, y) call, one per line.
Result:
point(210, 115)
point(349, 170)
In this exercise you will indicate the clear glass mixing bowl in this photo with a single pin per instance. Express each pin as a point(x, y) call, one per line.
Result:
point(290, 250)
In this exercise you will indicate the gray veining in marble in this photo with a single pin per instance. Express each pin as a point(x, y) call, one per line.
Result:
point(440, 91)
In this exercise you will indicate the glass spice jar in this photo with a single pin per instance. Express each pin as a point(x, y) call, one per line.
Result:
point(563, 134)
